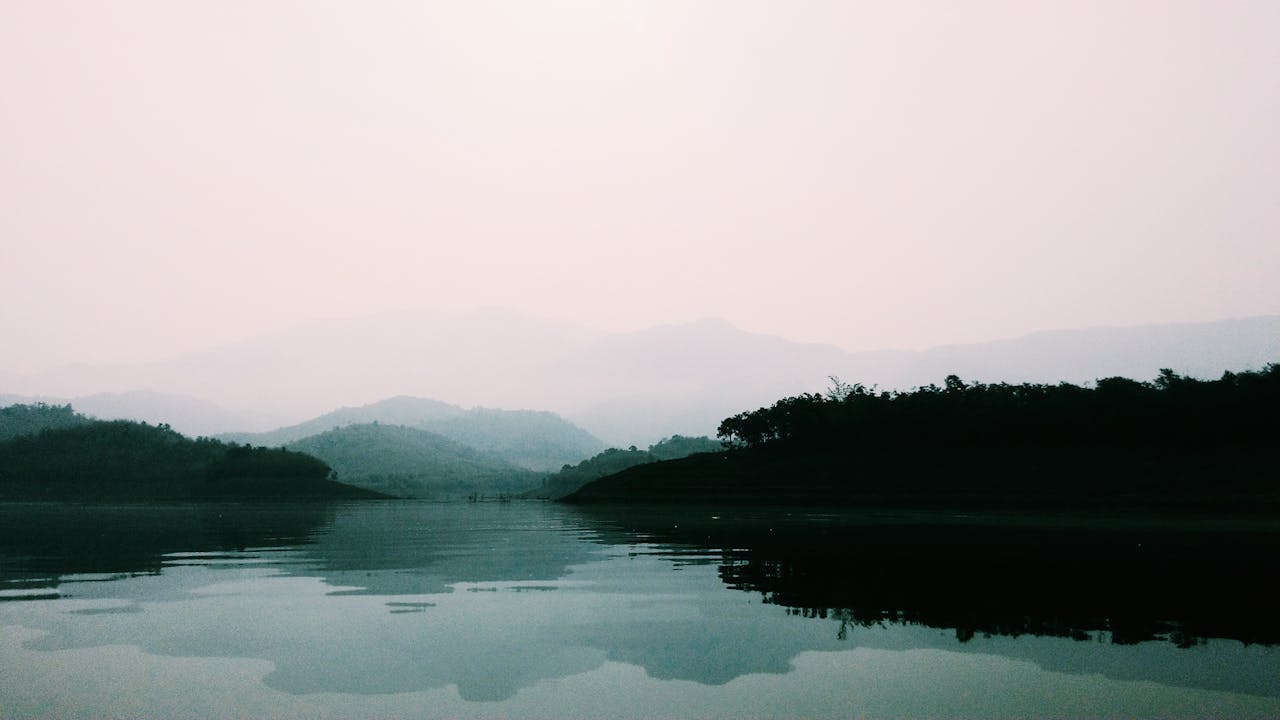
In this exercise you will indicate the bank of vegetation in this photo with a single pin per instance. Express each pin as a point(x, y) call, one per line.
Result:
point(1172, 441)
point(75, 458)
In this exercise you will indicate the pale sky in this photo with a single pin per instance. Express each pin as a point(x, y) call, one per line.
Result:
point(869, 174)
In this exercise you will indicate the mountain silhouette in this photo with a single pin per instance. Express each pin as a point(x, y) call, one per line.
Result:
point(625, 388)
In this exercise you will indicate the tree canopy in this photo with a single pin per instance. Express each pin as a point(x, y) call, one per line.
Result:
point(17, 420)
point(1171, 441)
point(1238, 408)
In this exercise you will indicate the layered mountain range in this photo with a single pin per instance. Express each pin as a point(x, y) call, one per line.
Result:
point(625, 388)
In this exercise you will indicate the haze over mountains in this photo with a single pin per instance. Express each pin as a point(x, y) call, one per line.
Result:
point(538, 441)
point(626, 388)
point(191, 416)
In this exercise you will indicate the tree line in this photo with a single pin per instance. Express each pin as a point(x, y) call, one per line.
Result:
point(1172, 441)
point(1238, 409)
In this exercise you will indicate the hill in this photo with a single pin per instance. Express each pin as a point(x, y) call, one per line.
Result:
point(536, 440)
point(410, 462)
point(122, 460)
point(611, 461)
point(399, 410)
point(1175, 441)
point(533, 440)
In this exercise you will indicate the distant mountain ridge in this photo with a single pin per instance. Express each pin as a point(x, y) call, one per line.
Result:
point(533, 440)
point(399, 410)
point(1202, 350)
point(627, 388)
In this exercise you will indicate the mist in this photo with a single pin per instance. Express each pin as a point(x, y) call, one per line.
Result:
point(883, 175)
point(639, 358)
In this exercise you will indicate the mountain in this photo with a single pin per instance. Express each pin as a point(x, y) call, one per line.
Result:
point(399, 410)
point(529, 439)
point(683, 379)
point(386, 458)
point(487, 357)
point(410, 462)
point(1200, 350)
point(123, 460)
point(687, 378)
point(627, 388)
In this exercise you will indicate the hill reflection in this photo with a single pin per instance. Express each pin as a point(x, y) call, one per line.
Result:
point(393, 597)
point(42, 542)
point(368, 548)
point(1114, 579)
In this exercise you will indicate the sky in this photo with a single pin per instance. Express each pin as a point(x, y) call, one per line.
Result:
point(178, 174)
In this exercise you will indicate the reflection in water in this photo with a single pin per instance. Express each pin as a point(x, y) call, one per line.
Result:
point(1120, 580)
point(404, 548)
point(41, 542)
point(491, 602)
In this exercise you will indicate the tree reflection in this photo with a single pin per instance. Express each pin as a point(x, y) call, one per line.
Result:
point(1089, 578)
point(41, 542)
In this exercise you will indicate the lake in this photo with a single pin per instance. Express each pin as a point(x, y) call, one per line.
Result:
point(414, 609)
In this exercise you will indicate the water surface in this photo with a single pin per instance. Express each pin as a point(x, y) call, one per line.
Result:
point(409, 609)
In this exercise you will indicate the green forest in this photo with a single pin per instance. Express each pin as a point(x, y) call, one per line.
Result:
point(16, 420)
point(1172, 410)
point(68, 456)
point(1173, 440)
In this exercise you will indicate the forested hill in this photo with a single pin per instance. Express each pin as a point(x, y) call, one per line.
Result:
point(409, 462)
point(1172, 441)
point(534, 440)
point(122, 460)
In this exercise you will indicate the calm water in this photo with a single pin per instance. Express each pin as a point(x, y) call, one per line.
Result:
point(534, 610)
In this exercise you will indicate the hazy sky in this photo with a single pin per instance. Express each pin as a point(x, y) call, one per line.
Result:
point(176, 174)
